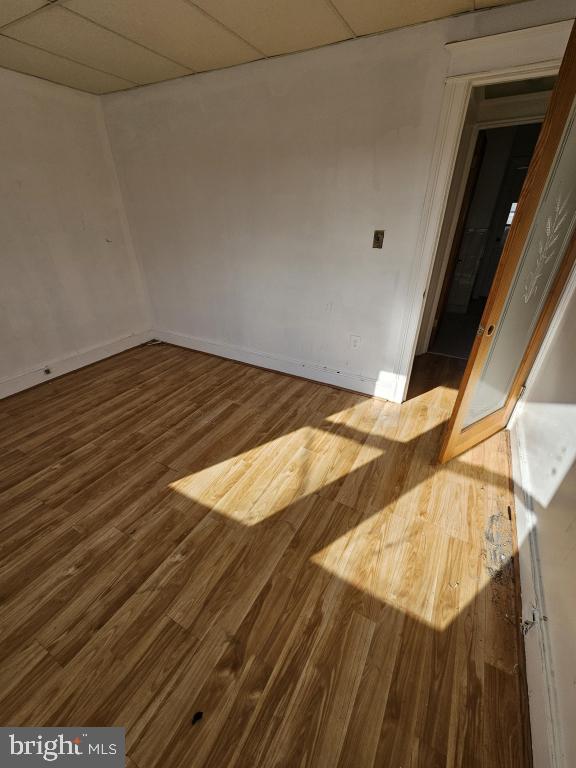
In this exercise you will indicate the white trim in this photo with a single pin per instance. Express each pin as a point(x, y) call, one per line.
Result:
point(382, 387)
point(519, 48)
point(537, 69)
point(452, 116)
point(58, 366)
point(540, 50)
point(444, 246)
point(543, 703)
point(505, 123)
point(495, 113)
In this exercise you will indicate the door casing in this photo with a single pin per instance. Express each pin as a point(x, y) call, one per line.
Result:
point(459, 438)
point(444, 249)
point(539, 51)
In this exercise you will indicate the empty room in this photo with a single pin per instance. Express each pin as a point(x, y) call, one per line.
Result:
point(288, 383)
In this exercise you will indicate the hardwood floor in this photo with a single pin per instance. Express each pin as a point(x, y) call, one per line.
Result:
point(185, 534)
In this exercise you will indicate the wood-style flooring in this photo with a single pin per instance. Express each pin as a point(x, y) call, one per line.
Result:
point(182, 534)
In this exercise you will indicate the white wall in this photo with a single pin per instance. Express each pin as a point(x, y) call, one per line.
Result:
point(545, 429)
point(70, 287)
point(252, 194)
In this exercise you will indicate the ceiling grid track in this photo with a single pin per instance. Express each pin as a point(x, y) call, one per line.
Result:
point(129, 39)
point(228, 29)
point(67, 58)
point(345, 21)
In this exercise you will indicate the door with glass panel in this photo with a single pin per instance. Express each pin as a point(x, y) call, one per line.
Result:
point(538, 255)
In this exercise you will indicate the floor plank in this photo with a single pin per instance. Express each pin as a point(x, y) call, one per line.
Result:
point(185, 534)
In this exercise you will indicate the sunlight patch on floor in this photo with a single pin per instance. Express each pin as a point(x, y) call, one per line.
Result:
point(258, 483)
point(416, 544)
point(410, 565)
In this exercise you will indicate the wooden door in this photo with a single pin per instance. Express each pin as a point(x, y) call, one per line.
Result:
point(537, 258)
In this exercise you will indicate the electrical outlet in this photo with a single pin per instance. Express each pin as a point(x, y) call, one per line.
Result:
point(355, 341)
point(378, 240)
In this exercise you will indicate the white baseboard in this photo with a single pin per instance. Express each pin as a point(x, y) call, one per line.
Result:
point(385, 386)
point(26, 379)
point(544, 716)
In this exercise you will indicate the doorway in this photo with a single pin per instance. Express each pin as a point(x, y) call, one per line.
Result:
point(499, 165)
point(493, 108)
point(537, 259)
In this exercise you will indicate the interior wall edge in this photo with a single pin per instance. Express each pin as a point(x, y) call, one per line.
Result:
point(71, 290)
point(138, 268)
point(543, 705)
point(58, 367)
point(384, 387)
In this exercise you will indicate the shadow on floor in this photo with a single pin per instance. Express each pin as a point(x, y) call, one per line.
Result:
point(335, 620)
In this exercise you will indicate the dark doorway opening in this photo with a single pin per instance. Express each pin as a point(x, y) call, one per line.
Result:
point(497, 173)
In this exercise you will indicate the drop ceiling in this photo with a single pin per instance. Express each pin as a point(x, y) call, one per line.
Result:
point(102, 46)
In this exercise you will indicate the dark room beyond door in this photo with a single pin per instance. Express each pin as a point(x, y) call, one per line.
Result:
point(502, 158)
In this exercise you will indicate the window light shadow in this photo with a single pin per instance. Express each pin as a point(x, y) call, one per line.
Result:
point(411, 502)
point(362, 618)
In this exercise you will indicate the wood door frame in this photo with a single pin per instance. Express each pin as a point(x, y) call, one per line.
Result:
point(539, 51)
point(458, 438)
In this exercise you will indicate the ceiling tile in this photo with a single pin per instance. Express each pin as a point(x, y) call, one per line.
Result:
point(14, 9)
point(33, 61)
point(173, 28)
point(280, 26)
point(108, 45)
point(368, 16)
point(62, 32)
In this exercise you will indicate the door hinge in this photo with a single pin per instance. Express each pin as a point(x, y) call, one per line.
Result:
point(522, 391)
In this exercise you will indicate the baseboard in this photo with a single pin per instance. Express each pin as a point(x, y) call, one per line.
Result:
point(385, 386)
point(544, 717)
point(26, 379)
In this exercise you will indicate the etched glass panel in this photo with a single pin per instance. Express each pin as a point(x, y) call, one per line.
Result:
point(543, 252)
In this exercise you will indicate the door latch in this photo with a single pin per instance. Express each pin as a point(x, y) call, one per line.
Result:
point(482, 328)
